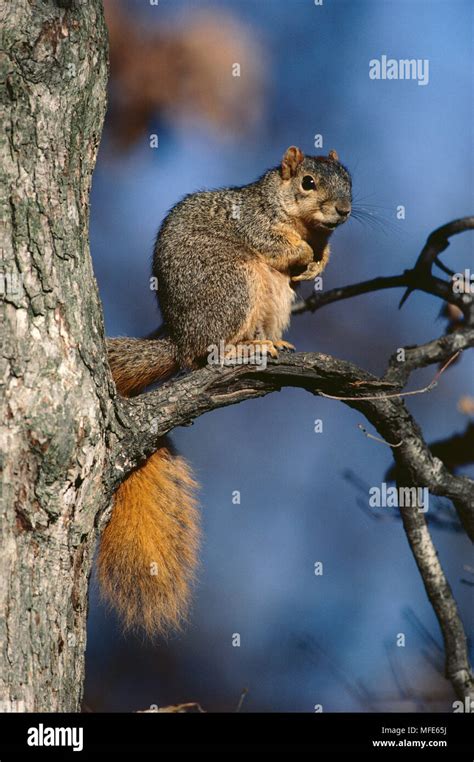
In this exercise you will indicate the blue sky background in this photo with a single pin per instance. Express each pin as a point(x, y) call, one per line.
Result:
point(305, 640)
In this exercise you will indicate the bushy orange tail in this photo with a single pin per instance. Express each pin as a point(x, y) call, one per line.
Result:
point(137, 363)
point(148, 551)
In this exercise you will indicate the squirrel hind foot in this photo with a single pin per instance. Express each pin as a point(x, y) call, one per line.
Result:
point(250, 350)
point(285, 345)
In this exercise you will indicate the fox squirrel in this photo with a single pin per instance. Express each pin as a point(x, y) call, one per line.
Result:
point(225, 261)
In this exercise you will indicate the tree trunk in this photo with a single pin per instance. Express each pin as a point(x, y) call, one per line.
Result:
point(55, 404)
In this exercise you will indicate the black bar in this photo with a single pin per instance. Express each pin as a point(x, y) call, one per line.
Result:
point(442, 734)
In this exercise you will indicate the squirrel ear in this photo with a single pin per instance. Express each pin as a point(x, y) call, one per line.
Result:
point(333, 155)
point(290, 162)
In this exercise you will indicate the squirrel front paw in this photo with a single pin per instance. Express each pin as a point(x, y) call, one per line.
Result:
point(304, 254)
point(302, 261)
point(311, 272)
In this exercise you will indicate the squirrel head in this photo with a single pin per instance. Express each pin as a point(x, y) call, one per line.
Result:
point(315, 189)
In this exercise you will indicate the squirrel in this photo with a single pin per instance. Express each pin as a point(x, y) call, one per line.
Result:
point(227, 263)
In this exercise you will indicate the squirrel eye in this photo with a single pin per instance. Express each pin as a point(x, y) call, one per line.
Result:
point(308, 183)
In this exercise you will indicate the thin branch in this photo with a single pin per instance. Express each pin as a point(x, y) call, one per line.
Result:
point(457, 667)
point(420, 277)
point(377, 439)
point(436, 351)
point(428, 388)
point(242, 698)
point(438, 241)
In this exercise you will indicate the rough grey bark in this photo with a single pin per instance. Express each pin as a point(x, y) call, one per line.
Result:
point(55, 390)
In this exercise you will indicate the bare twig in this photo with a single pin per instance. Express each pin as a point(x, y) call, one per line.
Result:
point(420, 277)
point(377, 439)
point(457, 667)
point(423, 390)
point(242, 698)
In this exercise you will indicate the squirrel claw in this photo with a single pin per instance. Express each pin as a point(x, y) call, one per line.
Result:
point(284, 345)
point(267, 347)
point(263, 346)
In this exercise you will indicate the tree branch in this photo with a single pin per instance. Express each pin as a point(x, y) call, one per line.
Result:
point(437, 351)
point(457, 667)
point(419, 277)
point(180, 401)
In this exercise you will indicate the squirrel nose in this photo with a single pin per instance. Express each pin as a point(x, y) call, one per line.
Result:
point(343, 208)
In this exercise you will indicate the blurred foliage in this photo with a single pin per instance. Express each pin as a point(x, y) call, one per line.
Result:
point(174, 73)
